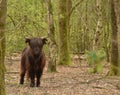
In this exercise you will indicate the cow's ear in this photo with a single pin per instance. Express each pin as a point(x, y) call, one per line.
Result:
point(44, 40)
point(27, 40)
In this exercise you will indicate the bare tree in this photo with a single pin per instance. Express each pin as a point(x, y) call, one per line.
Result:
point(115, 48)
point(52, 42)
point(64, 56)
point(98, 31)
point(3, 10)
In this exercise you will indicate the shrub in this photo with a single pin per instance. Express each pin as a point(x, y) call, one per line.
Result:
point(95, 60)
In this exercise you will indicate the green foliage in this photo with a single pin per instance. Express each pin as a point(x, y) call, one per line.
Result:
point(83, 25)
point(95, 59)
point(25, 18)
point(28, 18)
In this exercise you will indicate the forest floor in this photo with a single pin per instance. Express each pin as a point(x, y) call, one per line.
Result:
point(68, 80)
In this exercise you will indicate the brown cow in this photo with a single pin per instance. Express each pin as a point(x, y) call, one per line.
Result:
point(33, 61)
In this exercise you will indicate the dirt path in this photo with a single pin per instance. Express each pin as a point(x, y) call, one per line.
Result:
point(74, 80)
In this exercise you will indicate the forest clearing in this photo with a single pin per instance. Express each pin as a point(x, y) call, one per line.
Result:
point(68, 80)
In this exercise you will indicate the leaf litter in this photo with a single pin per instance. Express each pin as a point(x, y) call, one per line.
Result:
point(68, 80)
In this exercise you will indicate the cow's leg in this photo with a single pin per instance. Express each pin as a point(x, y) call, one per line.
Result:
point(22, 75)
point(38, 75)
point(22, 70)
point(31, 71)
point(32, 78)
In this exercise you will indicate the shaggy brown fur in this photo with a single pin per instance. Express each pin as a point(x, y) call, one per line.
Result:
point(33, 61)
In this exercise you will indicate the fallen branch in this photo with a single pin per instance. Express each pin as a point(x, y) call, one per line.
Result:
point(96, 79)
point(15, 72)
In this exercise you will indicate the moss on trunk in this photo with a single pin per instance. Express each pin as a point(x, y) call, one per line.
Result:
point(52, 42)
point(3, 10)
point(115, 64)
point(64, 56)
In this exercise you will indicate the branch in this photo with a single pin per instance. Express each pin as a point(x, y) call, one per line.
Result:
point(11, 19)
point(14, 72)
point(73, 8)
point(89, 81)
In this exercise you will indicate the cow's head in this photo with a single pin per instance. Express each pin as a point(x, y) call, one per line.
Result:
point(36, 45)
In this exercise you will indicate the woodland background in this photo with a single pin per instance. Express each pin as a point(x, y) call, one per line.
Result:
point(78, 31)
point(29, 19)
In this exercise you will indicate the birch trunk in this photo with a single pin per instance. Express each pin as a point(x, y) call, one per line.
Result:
point(99, 26)
point(98, 32)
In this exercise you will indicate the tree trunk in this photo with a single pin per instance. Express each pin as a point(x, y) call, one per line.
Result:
point(86, 37)
point(98, 32)
point(115, 19)
point(99, 26)
point(3, 10)
point(68, 7)
point(64, 56)
point(52, 42)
